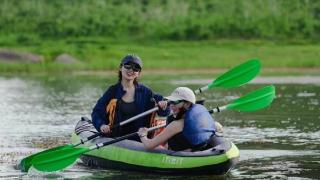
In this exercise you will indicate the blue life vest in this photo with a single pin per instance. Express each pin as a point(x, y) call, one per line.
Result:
point(198, 124)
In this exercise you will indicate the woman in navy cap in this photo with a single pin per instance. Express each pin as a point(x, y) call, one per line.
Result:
point(126, 99)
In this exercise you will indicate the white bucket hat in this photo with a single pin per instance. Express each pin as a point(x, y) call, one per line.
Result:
point(182, 93)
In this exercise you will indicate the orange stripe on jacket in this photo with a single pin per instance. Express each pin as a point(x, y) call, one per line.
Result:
point(111, 110)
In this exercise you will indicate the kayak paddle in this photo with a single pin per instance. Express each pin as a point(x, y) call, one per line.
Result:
point(235, 77)
point(252, 101)
point(26, 162)
point(57, 160)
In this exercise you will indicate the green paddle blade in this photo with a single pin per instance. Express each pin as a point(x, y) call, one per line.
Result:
point(26, 162)
point(255, 100)
point(57, 160)
point(238, 76)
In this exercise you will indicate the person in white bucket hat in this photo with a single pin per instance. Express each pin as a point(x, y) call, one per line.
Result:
point(190, 127)
point(182, 93)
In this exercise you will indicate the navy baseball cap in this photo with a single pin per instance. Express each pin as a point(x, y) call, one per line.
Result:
point(131, 59)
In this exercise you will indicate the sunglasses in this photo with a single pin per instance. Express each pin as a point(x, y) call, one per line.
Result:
point(175, 102)
point(134, 67)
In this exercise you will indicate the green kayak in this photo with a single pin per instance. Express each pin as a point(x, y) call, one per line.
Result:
point(132, 156)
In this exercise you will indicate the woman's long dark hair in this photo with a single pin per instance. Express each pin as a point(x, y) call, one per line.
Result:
point(135, 81)
point(181, 113)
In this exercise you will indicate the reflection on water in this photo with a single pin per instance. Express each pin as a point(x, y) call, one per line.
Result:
point(278, 142)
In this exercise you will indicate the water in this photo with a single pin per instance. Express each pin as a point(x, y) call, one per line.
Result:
point(279, 142)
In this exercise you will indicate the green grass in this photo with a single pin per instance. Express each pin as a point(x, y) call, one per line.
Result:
point(165, 19)
point(166, 34)
point(103, 54)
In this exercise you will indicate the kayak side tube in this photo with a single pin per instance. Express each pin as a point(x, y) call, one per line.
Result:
point(131, 155)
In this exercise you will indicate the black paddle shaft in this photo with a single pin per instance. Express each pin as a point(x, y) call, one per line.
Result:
point(116, 140)
point(97, 135)
point(125, 137)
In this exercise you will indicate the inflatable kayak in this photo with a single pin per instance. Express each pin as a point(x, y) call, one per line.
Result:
point(132, 156)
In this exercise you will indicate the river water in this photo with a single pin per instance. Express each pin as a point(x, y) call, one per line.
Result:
point(279, 142)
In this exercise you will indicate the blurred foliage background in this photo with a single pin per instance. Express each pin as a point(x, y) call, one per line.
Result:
point(108, 29)
point(162, 19)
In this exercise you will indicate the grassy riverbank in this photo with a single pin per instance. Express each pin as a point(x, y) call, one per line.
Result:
point(98, 54)
point(169, 35)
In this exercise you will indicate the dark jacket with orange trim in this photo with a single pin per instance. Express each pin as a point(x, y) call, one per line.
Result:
point(143, 99)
